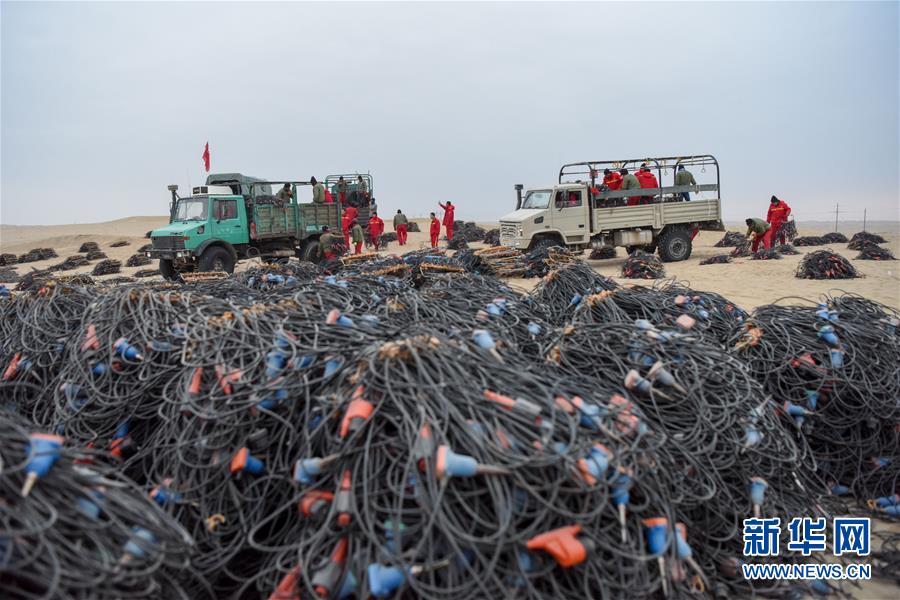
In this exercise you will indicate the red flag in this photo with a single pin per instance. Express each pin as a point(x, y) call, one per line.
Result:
point(206, 157)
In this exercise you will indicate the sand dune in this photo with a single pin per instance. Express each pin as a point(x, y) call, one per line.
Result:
point(746, 282)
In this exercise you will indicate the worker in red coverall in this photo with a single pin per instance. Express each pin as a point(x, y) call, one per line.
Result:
point(346, 222)
point(449, 209)
point(612, 180)
point(435, 230)
point(759, 231)
point(376, 228)
point(777, 216)
point(647, 180)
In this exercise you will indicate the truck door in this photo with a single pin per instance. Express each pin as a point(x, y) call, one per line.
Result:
point(570, 215)
point(226, 222)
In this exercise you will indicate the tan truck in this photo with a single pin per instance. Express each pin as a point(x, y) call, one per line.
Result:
point(579, 212)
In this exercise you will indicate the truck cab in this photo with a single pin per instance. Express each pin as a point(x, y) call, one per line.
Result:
point(235, 217)
point(580, 212)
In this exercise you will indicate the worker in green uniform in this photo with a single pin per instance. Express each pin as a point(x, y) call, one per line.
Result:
point(318, 191)
point(285, 194)
point(357, 236)
point(684, 177)
point(326, 243)
point(630, 182)
point(758, 230)
point(400, 225)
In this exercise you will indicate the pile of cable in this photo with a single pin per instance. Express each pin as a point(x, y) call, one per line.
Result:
point(766, 254)
point(137, 260)
point(502, 261)
point(741, 249)
point(788, 229)
point(833, 367)
point(640, 265)
point(834, 238)
point(107, 267)
point(825, 264)
point(693, 400)
point(9, 275)
point(413, 226)
point(468, 231)
point(562, 290)
point(8, 259)
point(95, 255)
point(873, 252)
point(861, 238)
point(141, 273)
point(785, 249)
point(390, 236)
point(145, 248)
point(731, 238)
point(716, 259)
point(705, 315)
point(36, 254)
point(120, 243)
point(89, 247)
point(70, 263)
point(492, 237)
point(604, 253)
point(440, 470)
point(285, 273)
point(79, 528)
point(457, 243)
point(809, 240)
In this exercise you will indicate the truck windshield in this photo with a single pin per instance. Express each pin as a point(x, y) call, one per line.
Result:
point(191, 209)
point(538, 199)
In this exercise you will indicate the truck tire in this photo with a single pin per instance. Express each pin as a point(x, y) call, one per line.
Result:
point(167, 269)
point(216, 258)
point(675, 244)
point(310, 251)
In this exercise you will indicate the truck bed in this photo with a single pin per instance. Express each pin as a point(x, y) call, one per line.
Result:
point(294, 220)
point(705, 212)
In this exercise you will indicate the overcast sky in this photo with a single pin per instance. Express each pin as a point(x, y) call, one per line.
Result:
point(105, 104)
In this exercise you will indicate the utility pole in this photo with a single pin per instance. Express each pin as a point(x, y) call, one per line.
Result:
point(864, 219)
point(836, 208)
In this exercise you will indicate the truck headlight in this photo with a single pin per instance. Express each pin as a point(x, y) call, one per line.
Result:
point(519, 231)
point(179, 254)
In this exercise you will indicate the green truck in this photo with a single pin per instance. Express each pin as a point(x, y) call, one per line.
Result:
point(235, 217)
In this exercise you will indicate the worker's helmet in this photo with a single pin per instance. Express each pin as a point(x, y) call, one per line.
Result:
point(606, 171)
point(749, 221)
point(774, 200)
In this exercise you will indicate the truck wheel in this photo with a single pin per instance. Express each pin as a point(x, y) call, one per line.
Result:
point(310, 252)
point(167, 269)
point(675, 244)
point(217, 259)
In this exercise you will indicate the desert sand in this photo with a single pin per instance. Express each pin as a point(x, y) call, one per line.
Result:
point(748, 283)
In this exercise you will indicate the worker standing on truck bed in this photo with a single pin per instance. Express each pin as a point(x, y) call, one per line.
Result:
point(358, 237)
point(362, 189)
point(647, 180)
point(759, 231)
point(400, 225)
point(376, 228)
point(449, 211)
point(342, 190)
point(285, 194)
point(630, 182)
point(612, 180)
point(326, 243)
point(318, 191)
point(435, 230)
point(684, 177)
point(346, 221)
point(778, 214)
